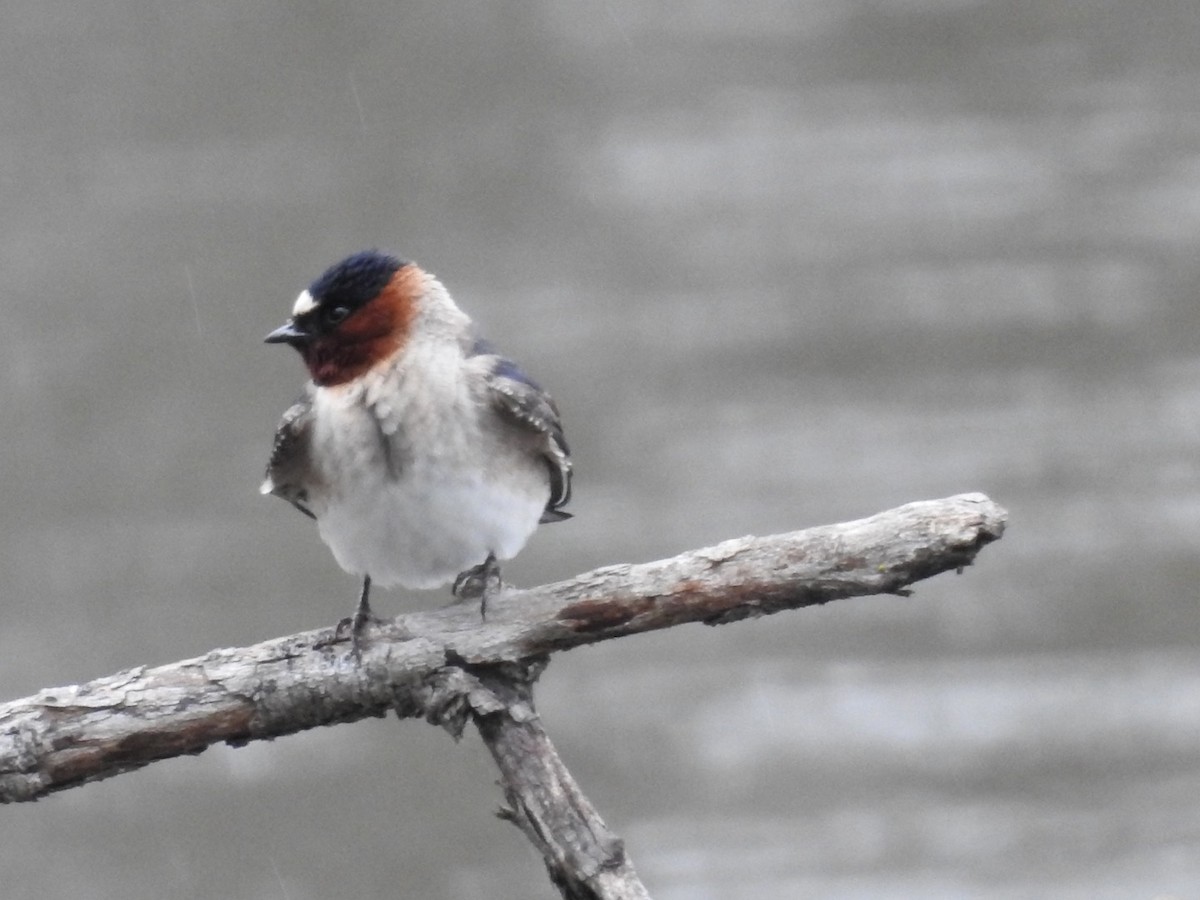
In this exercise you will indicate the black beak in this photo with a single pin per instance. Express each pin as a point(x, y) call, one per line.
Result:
point(289, 333)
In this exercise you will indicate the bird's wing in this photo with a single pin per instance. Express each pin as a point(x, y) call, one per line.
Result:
point(522, 401)
point(289, 471)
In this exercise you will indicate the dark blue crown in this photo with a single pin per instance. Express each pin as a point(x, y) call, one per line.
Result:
point(356, 279)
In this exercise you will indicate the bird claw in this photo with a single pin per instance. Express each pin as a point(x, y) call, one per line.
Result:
point(355, 626)
point(481, 583)
point(471, 584)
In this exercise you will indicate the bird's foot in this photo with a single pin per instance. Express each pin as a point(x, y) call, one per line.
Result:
point(482, 583)
point(356, 627)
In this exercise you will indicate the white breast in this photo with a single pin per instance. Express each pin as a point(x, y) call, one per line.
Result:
point(422, 479)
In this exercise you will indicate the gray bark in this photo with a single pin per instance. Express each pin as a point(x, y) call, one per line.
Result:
point(449, 667)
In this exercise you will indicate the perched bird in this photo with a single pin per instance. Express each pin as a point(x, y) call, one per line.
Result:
point(423, 454)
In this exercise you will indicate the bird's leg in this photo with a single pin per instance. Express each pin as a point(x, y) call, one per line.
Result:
point(357, 623)
point(363, 615)
point(492, 585)
point(481, 582)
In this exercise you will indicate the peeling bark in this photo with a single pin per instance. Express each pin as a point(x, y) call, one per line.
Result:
point(449, 667)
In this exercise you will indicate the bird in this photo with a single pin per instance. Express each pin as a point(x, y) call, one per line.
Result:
point(425, 456)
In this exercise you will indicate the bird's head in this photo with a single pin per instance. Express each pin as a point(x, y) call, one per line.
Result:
point(358, 313)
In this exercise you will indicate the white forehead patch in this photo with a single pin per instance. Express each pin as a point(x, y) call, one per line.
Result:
point(304, 303)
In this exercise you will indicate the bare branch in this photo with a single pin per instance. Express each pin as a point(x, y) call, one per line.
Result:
point(585, 860)
point(62, 737)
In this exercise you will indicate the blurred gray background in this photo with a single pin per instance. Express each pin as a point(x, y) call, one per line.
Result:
point(781, 263)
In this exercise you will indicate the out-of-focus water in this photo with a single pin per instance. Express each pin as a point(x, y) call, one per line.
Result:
point(781, 264)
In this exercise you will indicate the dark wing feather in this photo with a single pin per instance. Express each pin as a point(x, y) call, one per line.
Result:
point(289, 471)
point(522, 401)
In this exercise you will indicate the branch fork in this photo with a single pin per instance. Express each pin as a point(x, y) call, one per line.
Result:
point(448, 667)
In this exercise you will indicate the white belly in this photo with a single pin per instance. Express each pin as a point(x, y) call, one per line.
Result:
point(443, 494)
point(420, 532)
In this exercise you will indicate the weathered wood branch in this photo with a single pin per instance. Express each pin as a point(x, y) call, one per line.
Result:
point(61, 737)
point(585, 860)
point(448, 666)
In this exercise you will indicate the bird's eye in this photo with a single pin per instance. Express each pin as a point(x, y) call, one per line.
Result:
point(336, 314)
